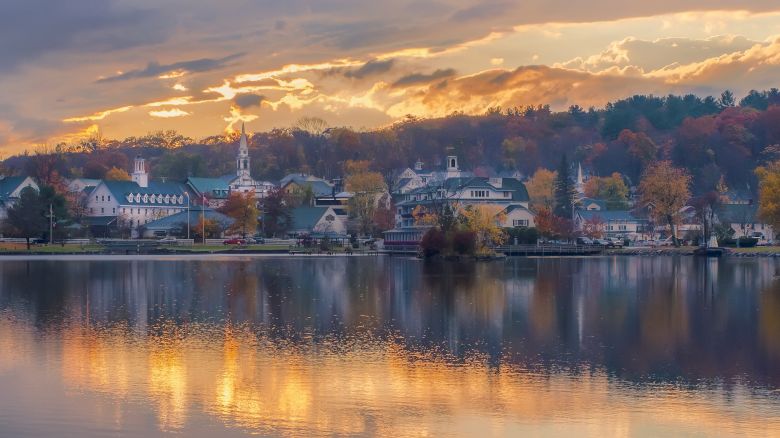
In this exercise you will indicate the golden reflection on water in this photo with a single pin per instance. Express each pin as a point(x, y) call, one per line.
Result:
point(247, 380)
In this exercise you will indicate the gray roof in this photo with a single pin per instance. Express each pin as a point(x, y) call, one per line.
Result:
point(737, 213)
point(518, 189)
point(9, 184)
point(306, 218)
point(212, 187)
point(608, 215)
point(120, 190)
point(179, 219)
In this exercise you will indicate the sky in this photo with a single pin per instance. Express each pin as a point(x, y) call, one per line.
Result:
point(119, 68)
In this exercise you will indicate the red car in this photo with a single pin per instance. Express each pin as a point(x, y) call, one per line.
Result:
point(235, 241)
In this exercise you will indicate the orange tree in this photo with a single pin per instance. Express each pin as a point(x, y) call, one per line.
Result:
point(664, 189)
point(242, 208)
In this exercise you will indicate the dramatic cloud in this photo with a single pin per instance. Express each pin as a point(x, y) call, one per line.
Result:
point(70, 68)
point(422, 78)
point(177, 69)
point(657, 54)
point(248, 100)
point(30, 29)
point(370, 68)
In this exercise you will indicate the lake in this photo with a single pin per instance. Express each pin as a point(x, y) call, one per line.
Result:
point(307, 346)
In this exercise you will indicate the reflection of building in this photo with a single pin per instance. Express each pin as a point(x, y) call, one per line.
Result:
point(10, 189)
point(137, 202)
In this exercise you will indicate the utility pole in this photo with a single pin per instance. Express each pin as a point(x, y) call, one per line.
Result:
point(203, 218)
point(187, 194)
point(51, 225)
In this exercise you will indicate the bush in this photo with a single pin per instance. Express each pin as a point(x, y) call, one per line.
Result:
point(464, 242)
point(524, 235)
point(433, 242)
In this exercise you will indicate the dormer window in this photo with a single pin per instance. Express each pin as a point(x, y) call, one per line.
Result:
point(137, 197)
point(181, 199)
point(167, 199)
point(130, 197)
point(146, 198)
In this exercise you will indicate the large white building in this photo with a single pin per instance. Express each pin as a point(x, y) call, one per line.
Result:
point(135, 202)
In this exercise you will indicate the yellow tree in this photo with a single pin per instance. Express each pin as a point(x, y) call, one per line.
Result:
point(485, 222)
point(769, 193)
point(367, 188)
point(242, 208)
point(541, 189)
point(609, 188)
point(664, 189)
point(422, 216)
point(117, 174)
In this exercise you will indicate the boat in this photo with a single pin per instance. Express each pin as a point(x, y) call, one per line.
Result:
point(711, 249)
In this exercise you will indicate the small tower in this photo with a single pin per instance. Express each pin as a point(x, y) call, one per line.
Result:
point(140, 176)
point(418, 165)
point(452, 163)
point(242, 160)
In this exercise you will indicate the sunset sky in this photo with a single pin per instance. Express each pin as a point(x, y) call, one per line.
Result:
point(128, 67)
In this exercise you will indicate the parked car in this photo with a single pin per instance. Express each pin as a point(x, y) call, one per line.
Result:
point(602, 242)
point(234, 241)
point(260, 240)
point(584, 241)
point(170, 240)
point(615, 242)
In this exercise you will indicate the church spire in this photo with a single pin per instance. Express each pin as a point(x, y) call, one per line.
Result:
point(242, 161)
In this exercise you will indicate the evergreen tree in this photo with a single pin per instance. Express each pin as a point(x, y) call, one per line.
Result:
point(564, 190)
point(27, 217)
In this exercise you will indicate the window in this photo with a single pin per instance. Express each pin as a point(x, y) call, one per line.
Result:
point(507, 194)
point(520, 223)
point(109, 198)
point(479, 193)
point(113, 210)
point(102, 210)
point(102, 199)
point(622, 228)
point(96, 197)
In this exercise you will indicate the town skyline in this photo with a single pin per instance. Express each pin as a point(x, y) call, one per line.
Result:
point(126, 69)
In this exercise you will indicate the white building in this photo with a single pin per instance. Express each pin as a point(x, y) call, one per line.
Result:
point(136, 202)
point(509, 195)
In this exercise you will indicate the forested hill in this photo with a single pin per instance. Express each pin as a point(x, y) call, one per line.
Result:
point(708, 136)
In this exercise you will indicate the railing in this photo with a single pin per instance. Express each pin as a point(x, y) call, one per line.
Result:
point(548, 249)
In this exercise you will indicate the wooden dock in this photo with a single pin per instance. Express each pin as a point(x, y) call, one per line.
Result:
point(540, 250)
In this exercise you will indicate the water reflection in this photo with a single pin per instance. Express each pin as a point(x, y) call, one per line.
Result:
point(293, 346)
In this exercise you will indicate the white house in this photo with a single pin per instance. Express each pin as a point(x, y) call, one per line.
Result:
point(10, 189)
point(611, 223)
point(502, 193)
point(317, 221)
point(743, 219)
point(137, 202)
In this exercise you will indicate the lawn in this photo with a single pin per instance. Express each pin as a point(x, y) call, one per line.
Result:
point(49, 249)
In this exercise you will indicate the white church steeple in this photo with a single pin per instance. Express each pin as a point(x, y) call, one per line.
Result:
point(242, 160)
point(580, 187)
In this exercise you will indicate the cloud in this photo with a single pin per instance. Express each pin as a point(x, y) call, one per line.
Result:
point(481, 11)
point(370, 68)
point(177, 69)
point(422, 78)
point(30, 29)
point(167, 114)
point(652, 55)
point(248, 100)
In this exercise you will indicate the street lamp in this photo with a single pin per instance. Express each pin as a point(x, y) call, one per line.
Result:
point(203, 218)
point(187, 194)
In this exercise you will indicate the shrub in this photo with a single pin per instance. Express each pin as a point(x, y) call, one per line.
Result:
point(433, 242)
point(464, 242)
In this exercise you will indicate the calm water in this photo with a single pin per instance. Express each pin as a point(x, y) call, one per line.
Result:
point(283, 346)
